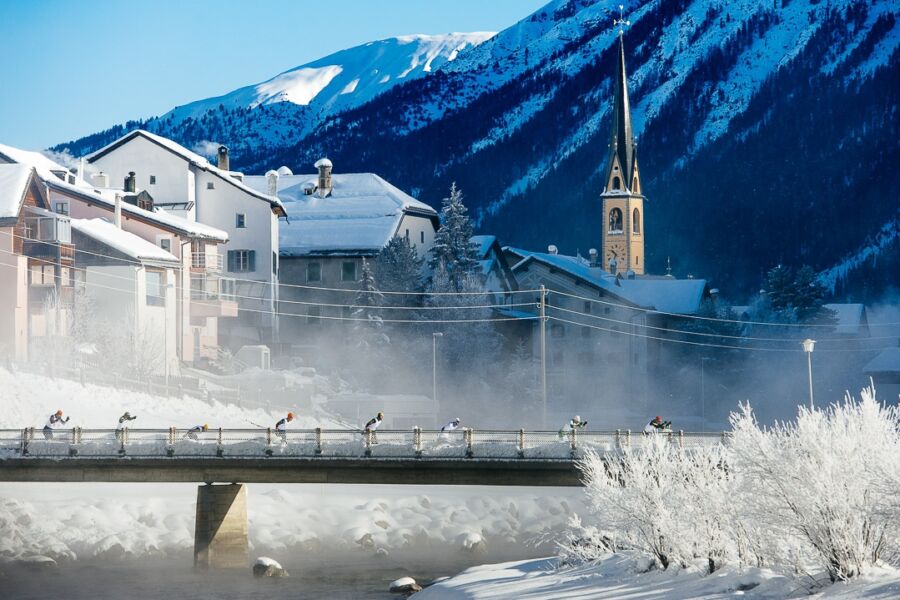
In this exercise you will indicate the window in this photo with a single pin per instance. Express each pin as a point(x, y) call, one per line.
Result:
point(274, 263)
point(210, 186)
point(616, 183)
point(165, 244)
point(42, 275)
point(557, 330)
point(314, 272)
point(407, 234)
point(636, 221)
point(241, 261)
point(226, 289)
point(153, 180)
point(587, 307)
point(312, 314)
point(62, 208)
point(154, 288)
point(348, 271)
point(240, 221)
point(422, 236)
point(585, 332)
point(615, 220)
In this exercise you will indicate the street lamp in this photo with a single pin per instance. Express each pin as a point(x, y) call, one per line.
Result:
point(808, 346)
point(434, 339)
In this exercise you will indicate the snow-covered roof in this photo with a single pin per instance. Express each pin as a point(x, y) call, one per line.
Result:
point(14, 180)
point(887, 361)
point(851, 318)
point(126, 243)
point(483, 244)
point(29, 157)
point(191, 157)
point(84, 190)
point(360, 215)
point(665, 294)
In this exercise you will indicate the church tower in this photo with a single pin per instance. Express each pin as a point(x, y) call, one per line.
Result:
point(623, 203)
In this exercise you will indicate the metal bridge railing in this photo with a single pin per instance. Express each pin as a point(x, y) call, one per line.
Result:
point(255, 443)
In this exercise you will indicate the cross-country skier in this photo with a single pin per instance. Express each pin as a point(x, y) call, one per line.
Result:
point(449, 428)
point(122, 424)
point(193, 431)
point(373, 424)
point(575, 423)
point(54, 422)
point(281, 426)
point(657, 425)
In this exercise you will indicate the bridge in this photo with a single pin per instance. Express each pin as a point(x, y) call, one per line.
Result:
point(238, 456)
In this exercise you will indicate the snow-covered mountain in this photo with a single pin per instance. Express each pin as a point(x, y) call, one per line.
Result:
point(769, 126)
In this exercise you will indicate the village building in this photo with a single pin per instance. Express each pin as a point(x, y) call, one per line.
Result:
point(129, 293)
point(186, 184)
point(36, 263)
point(203, 297)
point(337, 220)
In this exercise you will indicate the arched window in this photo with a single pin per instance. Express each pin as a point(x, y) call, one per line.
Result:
point(615, 220)
point(616, 183)
point(636, 221)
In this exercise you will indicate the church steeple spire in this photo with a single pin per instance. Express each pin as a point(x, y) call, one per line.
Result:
point(623, 200)
point(621, 143)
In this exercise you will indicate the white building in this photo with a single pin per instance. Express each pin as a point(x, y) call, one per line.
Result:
point(130, 285)
point(336, 221)
point(186, 184)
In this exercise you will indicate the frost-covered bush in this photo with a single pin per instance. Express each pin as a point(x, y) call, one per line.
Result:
point(822, 492)
point(666, 501)
point(824, 489)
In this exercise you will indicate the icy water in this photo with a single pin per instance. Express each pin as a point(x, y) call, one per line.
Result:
point(177, 580)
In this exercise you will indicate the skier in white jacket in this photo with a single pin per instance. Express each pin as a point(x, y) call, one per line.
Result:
point(449, 428)
point(54, 422)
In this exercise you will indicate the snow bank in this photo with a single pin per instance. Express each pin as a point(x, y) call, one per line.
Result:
point(616, 577)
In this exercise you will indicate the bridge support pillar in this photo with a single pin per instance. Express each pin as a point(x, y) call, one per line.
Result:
point(221, 530)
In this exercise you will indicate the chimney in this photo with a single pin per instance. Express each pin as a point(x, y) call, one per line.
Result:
point(324, 166)
point(272, 183)
point(101, 179)
point(130, 183)
point(551, 249)
point(81, 168)
point(222, 161)
point(117, 220)
point(593, 254)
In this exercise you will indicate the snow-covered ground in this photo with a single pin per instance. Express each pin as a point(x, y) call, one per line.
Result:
point(619, 577)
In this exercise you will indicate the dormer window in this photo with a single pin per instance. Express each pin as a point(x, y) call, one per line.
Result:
point(210, 185)
point(153, 180)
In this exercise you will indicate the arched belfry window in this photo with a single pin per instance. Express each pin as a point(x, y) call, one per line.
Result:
point(616, 183)
point(636, 221)
point(615, 220)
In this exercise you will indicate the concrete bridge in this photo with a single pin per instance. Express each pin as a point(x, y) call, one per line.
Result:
point(237, 456)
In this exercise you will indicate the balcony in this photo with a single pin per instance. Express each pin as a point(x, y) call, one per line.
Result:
point(208, 299)
point(48, 237)
point(206, 262)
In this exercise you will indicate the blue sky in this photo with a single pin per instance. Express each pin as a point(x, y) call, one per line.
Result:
point(71, 67)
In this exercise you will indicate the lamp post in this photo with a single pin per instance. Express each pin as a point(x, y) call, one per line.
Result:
point(434, 339)
point(703, 360)
point(808, 346)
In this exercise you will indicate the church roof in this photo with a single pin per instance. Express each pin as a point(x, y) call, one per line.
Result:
point(662, 294)
point(621, 142)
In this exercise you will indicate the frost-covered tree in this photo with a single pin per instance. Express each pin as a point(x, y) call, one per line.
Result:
point(662, 500)
point(452, 247)
point(793, 297)
point(825, 488)
point(398, 268)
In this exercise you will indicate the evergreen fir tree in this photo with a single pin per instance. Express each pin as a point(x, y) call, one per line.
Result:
point(398, 268)
point(369, 324)
point(453, 250)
